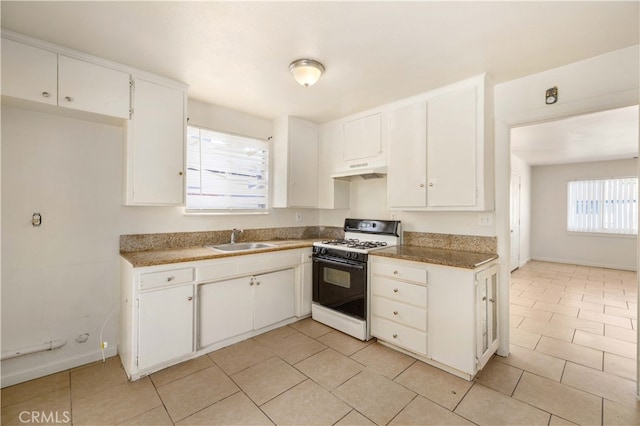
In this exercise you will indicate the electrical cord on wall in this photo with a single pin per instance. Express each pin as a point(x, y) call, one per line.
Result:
point(104, 324)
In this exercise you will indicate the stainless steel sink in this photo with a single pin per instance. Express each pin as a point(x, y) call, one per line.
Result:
point(240, 247)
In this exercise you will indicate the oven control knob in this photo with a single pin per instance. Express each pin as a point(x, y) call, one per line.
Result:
point(323, 250)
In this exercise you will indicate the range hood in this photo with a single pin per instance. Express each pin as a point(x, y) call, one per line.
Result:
point(371, 170)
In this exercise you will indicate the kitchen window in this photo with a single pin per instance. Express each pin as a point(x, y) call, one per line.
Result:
point(226, 172)
point(603, 206)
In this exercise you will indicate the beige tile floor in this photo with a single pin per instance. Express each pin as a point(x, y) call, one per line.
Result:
point(572, 361)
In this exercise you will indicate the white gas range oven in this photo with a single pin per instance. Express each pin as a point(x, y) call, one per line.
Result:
point(341, 274)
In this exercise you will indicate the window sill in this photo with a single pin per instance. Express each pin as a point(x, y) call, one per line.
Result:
point(224, 212)
point(601, 234)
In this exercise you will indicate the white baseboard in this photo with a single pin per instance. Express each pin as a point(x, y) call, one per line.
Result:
point(55, 367)
point(586, 263)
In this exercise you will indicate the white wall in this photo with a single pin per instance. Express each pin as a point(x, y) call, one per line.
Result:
point(552, 242)
point(523, 170)
point(60, 280)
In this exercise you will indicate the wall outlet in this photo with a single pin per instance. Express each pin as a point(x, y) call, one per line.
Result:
point(298, 217)
point(485, 219)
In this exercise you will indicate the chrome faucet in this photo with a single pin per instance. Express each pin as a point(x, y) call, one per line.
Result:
point(234, 234)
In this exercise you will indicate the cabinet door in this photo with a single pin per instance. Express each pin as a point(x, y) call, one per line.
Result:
point(155, 145)
point(224, 310)
point(165, 325)
point(29, 72)
point(451, 317)
point(407, 156)
point(90, 87)
point(361, 138)
point(274, 297)
point(303, 165)
point(487, 314)
point(452, 149)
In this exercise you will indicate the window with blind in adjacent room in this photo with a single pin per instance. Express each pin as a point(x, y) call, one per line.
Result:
point(226, 172)
point(603, 206)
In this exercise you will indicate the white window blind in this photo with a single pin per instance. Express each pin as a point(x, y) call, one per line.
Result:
point(603, 206)
point(226, 172)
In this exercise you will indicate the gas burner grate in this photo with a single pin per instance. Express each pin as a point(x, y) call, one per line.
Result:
point(355, 243)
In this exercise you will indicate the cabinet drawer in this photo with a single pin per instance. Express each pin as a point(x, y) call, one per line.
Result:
point(400, 272)
point(399, 291)
point(163, 278)
point(399, 312)
point(399, 335)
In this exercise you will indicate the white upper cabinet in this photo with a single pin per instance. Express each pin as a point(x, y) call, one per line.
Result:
point(29, 72)
point(361, 138)
point(452, 146)
point(406, 177)
point(88, 87)
point(295, 163)
point(155, 144)
point(44, 76)
point(440, 155)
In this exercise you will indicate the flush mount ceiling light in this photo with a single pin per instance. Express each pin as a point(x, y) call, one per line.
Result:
point(551, 95)
point(306, 71)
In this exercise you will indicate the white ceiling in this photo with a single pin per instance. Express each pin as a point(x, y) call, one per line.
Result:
point(600, 136)
point(236, 54)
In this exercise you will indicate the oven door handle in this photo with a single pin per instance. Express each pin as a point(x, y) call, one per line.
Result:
point(348, 264)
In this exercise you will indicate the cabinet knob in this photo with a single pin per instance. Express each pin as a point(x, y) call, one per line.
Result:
point(395, 312)
point(395, 272)
point(422, 185)
point(45, 94)
point(395, 290)
point(484, 299)
point(68, 98)
point(257, 282)
point(180, 173)
point(251, 283)
point(492, 300)
point(169, 279)
point(190, 298)
point(430, 183)
point(395, 336)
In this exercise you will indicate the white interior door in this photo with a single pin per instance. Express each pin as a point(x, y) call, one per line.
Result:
point(515, 221)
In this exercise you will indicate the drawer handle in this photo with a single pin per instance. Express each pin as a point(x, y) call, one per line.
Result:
point(45, 94)
point(395, 336)
point(395, 312)
point(395, 290)
point(169, 279)
point(395, 272)
point(190, 298)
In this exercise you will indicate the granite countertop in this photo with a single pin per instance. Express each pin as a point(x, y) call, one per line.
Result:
point(455, 258)
point(177, 255)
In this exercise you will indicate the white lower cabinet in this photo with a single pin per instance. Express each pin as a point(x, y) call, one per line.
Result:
point(399, 304)
point(230, 308)
point(171, 313)
point(165, 325)
point(443, 315)
point(225, 310)
point(273, 299)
